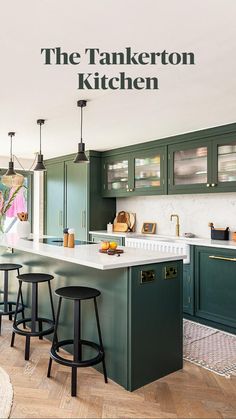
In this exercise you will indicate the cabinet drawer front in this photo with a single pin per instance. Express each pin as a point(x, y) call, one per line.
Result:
point(216, 285)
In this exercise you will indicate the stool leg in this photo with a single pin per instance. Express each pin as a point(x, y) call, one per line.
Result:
point(23, 311)
point(100, 340)
point(22, 303)
point(54, 339)
point(52, 306)
point(34, 306)
point(77, 355)
point(51, 301)
point(27, 348)
point(5, 292)
point(0, 324)
point(10, 309)
point(74, 382)
point(15, 317)
point(40, 329)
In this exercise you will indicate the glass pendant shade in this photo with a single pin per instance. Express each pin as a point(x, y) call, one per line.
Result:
point(11, 179)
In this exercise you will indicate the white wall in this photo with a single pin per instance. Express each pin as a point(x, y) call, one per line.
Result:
point(26, 163)
point(195, 212)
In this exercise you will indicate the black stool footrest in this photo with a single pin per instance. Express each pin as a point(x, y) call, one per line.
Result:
point(13, 303)
point(32, 334)
point(69, 363)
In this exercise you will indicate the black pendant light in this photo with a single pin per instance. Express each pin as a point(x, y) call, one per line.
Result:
point(81, 156)
point(11, 178)
point(40, 164)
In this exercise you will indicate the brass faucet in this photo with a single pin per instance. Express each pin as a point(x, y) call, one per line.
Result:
point(177, 223)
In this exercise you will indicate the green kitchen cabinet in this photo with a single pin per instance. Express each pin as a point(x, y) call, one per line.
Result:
point(117, 176)
point(188, 290)
point(203, 166)
point(189, 167)
point(197, 162)
point(96, 238)
point(215, 285)
point(54, 204)
point(139, 173)
point(224, 163)
point(73, 197)
point(76, 198)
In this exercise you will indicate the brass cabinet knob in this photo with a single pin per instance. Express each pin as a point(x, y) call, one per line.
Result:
point(213, 185)
point(208, 185)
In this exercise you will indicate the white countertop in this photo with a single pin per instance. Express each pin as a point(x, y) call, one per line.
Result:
point(88, 255)
point(195, 241)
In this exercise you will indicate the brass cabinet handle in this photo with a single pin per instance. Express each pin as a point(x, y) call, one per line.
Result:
point(223, 258)
point(208, 185)
point(213, 185)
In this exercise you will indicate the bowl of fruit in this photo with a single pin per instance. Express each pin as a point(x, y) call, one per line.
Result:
point(110, 248)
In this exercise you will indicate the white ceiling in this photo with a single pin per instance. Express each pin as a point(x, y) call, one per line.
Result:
point(190, 97)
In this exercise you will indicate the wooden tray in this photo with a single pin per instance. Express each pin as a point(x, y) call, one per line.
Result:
point(114, 252)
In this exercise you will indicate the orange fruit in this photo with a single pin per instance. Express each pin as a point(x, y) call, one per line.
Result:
point(113, 245)
point(105, 245)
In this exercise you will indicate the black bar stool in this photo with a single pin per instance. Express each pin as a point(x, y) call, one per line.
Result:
point(77, 294)
point(36, 323)
point(7, 305)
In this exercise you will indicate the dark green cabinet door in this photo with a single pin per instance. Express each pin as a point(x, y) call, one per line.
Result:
point(155, 309)
point(187, 290)
point(224, 163)
point(149, 174)
point(116, 176)
point(76, 198)
point(189, 167)
point(215, 276)
point(54, 196)
point(139, 173)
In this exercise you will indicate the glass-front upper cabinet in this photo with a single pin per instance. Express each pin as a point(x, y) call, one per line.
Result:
point(149, 171)
point(137, 173)
point(189, 167)
point(224, 163)
point(116, 175)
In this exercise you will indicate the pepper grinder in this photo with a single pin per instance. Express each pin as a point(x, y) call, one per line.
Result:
point(71, 238)
point(65, 237)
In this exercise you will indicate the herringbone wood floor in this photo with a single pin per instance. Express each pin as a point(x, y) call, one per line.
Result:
point(190, 393)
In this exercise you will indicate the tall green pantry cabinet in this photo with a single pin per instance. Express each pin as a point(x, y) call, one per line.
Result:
point(73, 197)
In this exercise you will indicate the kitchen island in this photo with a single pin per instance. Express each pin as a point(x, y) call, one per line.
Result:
point(140, 305)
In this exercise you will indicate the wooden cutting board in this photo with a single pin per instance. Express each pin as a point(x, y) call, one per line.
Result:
point(120, 227)
point(122, 217)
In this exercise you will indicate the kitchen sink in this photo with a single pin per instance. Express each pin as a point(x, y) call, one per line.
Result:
point(156, 237)
point(162, 244)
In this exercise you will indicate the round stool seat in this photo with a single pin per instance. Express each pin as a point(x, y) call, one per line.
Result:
point(9, 266)
point(77, 293)
point(35, 277)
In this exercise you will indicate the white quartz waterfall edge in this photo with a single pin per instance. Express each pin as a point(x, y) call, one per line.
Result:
point(6, 394)
point(210, 348)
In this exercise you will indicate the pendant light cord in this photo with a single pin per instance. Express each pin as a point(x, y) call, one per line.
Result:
point(31, 167)
point(11, 150)
point(40, 139)
point(81, 124)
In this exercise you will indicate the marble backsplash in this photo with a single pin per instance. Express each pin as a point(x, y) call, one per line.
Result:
point(195, 212)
